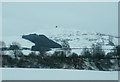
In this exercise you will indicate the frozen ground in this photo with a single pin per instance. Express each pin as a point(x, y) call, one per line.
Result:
point(56, 74)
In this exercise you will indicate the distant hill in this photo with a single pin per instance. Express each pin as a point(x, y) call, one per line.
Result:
point(79, 39)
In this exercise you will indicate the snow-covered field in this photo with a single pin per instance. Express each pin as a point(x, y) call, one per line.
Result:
point(56, 74)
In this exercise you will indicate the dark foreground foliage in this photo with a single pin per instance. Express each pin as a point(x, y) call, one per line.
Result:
point(90, 59)
point(57, 60)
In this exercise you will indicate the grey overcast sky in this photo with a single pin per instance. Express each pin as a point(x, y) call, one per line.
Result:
point(23, 17)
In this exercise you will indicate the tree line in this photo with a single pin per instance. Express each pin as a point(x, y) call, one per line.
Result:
point(90, 59)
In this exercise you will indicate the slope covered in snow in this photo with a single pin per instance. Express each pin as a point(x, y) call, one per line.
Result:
point(56, 74)
point(75, 37)
point(81, 39)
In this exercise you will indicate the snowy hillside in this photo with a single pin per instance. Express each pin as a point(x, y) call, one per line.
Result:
point(80, 39)
point(56, 74)
point(75, 37)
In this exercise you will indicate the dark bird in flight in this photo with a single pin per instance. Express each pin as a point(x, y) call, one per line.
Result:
point(56, 26)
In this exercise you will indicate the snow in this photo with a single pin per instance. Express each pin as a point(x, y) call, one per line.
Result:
point(56, 74)
point(26, 52)
point(76, 39)
point(24, 43)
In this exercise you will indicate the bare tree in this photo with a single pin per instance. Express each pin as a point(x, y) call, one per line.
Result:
point(2, 52)
point(97, 51)
point(2, 46)
point(15, 48)
point(66, 47)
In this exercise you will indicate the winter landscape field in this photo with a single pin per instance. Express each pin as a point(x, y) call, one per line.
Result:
point(60, 41)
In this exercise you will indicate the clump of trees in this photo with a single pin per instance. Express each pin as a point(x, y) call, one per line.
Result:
point(91, 59)
point(97, 59)
point(57, 60)
point(15, 48)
